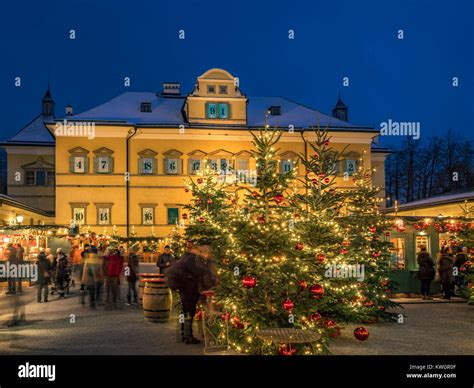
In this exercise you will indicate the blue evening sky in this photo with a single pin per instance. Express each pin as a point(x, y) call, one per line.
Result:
point(402, 80)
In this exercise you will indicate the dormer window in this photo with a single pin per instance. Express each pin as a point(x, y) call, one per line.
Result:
point(145, 107)
point(222, 89)
point(275, 110)
point(211, 89)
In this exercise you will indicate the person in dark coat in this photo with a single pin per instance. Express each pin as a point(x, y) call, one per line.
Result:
point(20, 253)
point(426, 271)
point(445, 269)
point(192, 273)
point(44, 276)
point(165, 260)
point(459, 260)
point(13, 259)
point(132, 271)
point(62, 273)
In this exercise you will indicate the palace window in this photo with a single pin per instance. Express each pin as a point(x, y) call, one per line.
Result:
point(287, 162)
point(397, 257)
point(332, 164)
point(79, 161)
point(145, 107)
point(103, 161)
point(104, 213)
point(222, 89)
point(173, 215)
point(148, 213)
point(221, 162)
point(79, 213)
point(39, 178)
point(30, 177)
point(196, 162)
point(215, 110)
point(351, 163)
point(147, 163)
point(275, 110)
point(211, 89)
point(173, 162)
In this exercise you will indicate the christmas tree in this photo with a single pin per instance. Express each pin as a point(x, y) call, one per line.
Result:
point(267, 279)
point(366, 229)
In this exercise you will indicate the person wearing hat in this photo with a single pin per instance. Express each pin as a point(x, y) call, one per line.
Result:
point(165, 260)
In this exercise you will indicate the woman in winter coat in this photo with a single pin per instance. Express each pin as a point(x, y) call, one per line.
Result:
point(426, 271)
point(62, 273)
point(445, 269)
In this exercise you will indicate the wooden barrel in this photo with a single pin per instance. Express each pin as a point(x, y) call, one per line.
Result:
point(157, 301)
point(142, 278)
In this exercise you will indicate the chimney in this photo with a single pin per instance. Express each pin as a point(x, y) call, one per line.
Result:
point(69, 110)
point(171, 88)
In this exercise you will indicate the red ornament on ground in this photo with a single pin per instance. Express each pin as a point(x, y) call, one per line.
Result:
point(361, 333)
point(288, 305)
point(317, 290)
point(299, 246)
point(249, 282)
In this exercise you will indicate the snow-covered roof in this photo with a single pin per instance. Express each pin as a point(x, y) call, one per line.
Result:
point(125, 108)
point(436, 200)
point(34, 133)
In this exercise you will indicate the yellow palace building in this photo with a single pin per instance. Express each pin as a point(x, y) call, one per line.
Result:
point(122, 165)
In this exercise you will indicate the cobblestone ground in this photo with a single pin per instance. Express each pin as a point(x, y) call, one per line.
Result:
point(439, 328)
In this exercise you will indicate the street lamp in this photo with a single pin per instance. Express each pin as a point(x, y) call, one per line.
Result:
point(19, 218)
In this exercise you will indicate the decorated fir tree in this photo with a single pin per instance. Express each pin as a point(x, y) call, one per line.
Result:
point(267, 279)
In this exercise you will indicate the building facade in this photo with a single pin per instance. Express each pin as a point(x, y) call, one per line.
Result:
point(123, 164)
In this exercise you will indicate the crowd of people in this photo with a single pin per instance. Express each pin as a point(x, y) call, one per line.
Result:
point(448, 267)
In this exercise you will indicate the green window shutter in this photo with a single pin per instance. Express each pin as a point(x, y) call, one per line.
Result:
point(96, 164)
point(140, 165)
point(71, 163)
point(180, 166)
point(86, 165)
point(173, 215)
point(111, 165)
point(155, 166)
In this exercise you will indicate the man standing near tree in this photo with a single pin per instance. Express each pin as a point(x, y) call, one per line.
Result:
point(165, 260)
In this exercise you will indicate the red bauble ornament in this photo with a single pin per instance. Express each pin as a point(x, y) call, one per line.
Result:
point(299, 246)
point(185, 216)
point(255, 194)
point(369, 304)
point(321, 176)
point(387, 234)
point(361, 333)
point(225, 317)
point(236, 322)
point(326, 142)
point(316, 156)
point(199, 315)
point(201, 219)
point(209, 201)
point(376, 254)
point(321, 257)
point(303, 285)
point(317, 290)
point(327, 180)
point(261, 219)
point(468, 264)
point(344, 251)
point(249, 282)
point(314, 180)
point(288, 305)
point(286, 350)
point(278, 198)
point(372, 229)
point(401, 229)
point(314, 317)
point(199, 180)
point(198, 201)
point(382, 308)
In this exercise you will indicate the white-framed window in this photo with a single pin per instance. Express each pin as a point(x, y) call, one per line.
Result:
point(397, 253)
point(80, 164)
point(195, 166)
point(221, 166)
point(173, 166)
point(103, 164)
point(148, 214)
point(79, 215)
point(147, 166)
point(104, 215)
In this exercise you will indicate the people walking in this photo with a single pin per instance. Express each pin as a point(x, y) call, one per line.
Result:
point(165, 260)
point(44, 276)
point(20, 253)
point(62, 273)
point(459, 260)
point(426, 271)
point(91, 274)
point(445, 269)
point(113, 269)
point(131, 272)
point(13, 260)
point(75, 259)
